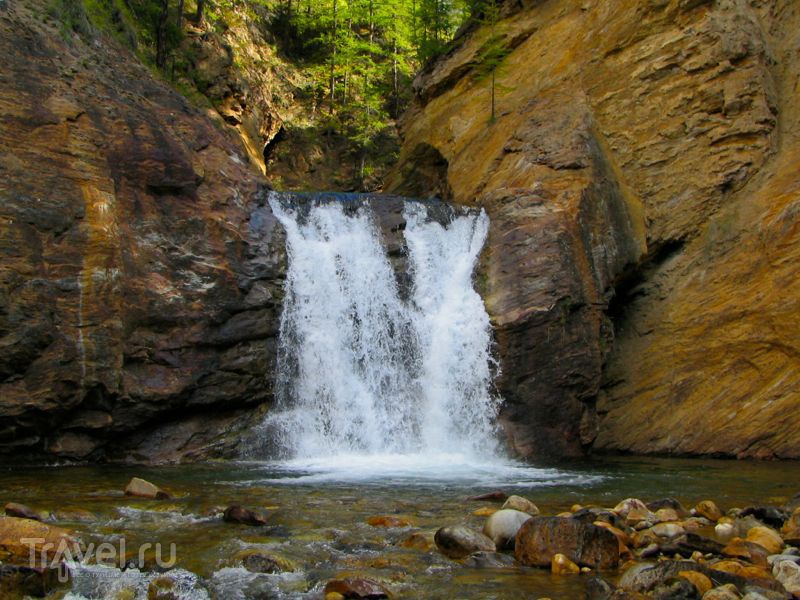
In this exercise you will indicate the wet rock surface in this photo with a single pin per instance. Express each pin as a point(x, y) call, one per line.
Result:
point(541, 538)
point(141, 273)
point(639, 178)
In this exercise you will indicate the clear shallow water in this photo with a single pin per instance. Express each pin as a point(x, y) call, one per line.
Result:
point(318, 515)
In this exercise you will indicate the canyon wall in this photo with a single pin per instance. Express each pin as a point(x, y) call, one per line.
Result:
point(140, 269)
point(641, 174)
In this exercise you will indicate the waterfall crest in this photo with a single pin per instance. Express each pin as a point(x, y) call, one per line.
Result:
point(365, 368)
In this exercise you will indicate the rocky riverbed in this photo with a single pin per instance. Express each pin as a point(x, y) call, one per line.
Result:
point(615, 528)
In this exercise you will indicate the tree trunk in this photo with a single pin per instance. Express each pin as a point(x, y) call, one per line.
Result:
point(161, 35)
point(333, 59)
point(180, 14)
point(395, 80)
point(199, 14)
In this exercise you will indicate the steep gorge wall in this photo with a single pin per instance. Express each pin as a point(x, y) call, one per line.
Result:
point(641, 175)
point(140, 271)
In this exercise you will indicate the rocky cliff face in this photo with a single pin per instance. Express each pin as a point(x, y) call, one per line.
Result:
point(641, 177)
point(140, 273)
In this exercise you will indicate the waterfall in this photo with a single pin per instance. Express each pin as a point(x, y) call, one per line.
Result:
point(366, 368)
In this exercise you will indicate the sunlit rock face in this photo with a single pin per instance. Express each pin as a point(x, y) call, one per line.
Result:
point(140, 268)
point(641, 268)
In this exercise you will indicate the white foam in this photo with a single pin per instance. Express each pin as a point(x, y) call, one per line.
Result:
point(371, 383)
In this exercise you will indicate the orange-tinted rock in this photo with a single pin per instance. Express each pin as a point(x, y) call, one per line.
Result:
point(698, 580)
point(767, 538)
point(388, 521)
point(746, 550)
point(14, 531)
point(144, 489)
point(541, 538)
point(13, 509)
point(419, 540)
point(791, 528)
point(561, 565)
point(668, 182)
point(709, 510)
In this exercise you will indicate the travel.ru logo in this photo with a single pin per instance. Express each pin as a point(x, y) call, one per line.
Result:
point(48, 555)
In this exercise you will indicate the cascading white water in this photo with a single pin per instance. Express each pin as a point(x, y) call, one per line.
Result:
point(364, 372)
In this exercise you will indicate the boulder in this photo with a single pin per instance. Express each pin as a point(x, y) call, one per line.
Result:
point(459, 541)
point(359, 588)
point(14, 530)
point(144, 489)
point(540, 538)
point(502, 526)
point(21, 511)
point(244, 516)
point(521, 504)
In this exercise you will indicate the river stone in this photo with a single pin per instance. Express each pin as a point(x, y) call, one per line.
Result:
point(502, 526)
point(256, 560)
point(723, 592)
point(357, 588)
point(21, 511)
point(700, 581)
point(587, 545)
point(13, 530)
point(144, 489)
point(489, 560)
point(791, 529)
point(668, 530)
point(644, 577)
point(766, 537)
point(419, 540)
point(459, 541)
point(387, 521)
point(561, 565)
point(245, 516)
point(769, 515)
point(521, 504)
point(18, 581)
point(749, 551)
point(709, 510)
point(496, 496)
point(666, 515)
point(788, 573)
